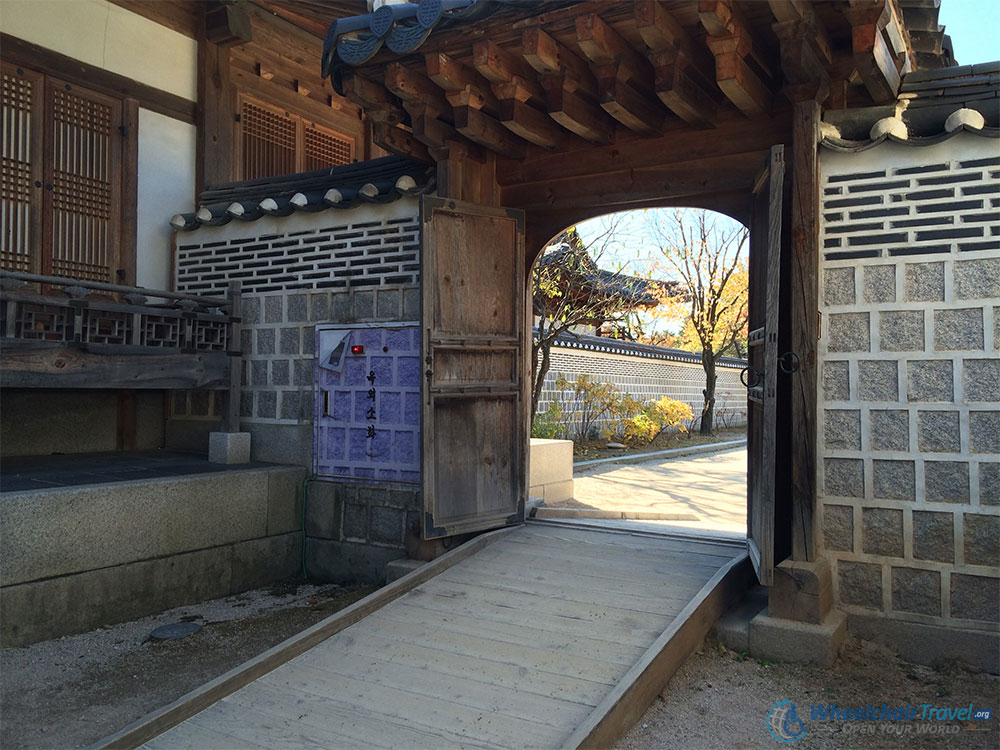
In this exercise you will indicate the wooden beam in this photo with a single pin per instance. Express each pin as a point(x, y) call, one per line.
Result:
point(786, 11)
point(415, 88)
point(547, 56)
point(398, 141)
point(662, 32)
point(480, 128)
point(43, 365)
point(567, 80)
point(679, 89)
point(640, 112)
point(732, 44)
point(624, 77)
point(621, 187)
point(536, 127)
point(374, 99)
point(800, 62)
point(573, 112)
point(872, 57)
point(453, 77)
point(499, 66)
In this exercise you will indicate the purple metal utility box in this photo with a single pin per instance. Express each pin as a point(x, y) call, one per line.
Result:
point(368, 402)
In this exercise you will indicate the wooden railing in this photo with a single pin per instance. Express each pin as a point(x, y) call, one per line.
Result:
point(68, 333)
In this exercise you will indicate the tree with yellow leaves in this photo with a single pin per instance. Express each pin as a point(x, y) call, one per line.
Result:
point(704, 254)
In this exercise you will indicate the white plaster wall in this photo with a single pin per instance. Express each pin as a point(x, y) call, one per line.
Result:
point(166, 180)
point(109, 37)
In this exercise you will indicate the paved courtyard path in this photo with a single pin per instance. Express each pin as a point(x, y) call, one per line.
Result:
point(708, 489)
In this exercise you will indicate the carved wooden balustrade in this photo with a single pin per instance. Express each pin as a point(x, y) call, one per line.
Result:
point(68, 333)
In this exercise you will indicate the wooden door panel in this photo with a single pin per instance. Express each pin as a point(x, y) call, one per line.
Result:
point(21, 169)
point(476, 277)
point(474, 344)
point(762, 373)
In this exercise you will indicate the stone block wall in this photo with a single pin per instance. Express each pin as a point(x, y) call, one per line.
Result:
point(338, 266)
point(909, 412)
point(353, 530)
point(357, 265)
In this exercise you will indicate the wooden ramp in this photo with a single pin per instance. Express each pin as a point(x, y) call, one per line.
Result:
point(541, 636)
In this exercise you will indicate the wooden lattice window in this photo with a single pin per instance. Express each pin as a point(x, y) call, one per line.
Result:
point(61, 178)
point(275, 142)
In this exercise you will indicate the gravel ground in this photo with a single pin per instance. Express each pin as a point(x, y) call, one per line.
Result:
point(72, 691)
point(720, 699)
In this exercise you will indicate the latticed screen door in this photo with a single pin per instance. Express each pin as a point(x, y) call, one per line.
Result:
point(61, 177)
point(21, 168)
point(275, 142)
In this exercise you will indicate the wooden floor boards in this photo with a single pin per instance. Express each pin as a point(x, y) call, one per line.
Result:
point(517, 645)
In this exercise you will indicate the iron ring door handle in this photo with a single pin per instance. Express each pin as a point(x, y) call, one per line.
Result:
point(744, 377)
point(789, 367)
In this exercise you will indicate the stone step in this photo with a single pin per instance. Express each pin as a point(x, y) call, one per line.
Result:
point(733, 628)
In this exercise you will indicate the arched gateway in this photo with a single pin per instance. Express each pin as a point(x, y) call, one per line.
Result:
point(539, 116)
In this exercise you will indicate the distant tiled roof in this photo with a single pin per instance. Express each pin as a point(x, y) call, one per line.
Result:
point(592, 278)
point(375, 181)
point(933, 105)
point(631, 348)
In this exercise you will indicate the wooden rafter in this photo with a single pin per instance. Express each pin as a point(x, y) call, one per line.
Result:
point(513, 82)
point(731, 42)
point(624, 77)
point(398, 141)
point(677, 64)
point(569, 87)
point(474, 105)
point(873, 58)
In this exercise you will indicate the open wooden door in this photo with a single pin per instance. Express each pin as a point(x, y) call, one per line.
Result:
point(761, 376)
point(474, 344)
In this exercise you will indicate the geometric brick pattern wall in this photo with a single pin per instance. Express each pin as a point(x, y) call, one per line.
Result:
point(909, 414)
point(342, 250)
point(647, 379)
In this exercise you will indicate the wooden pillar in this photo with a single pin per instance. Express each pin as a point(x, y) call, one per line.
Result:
point(804, 274)
point(216, 117)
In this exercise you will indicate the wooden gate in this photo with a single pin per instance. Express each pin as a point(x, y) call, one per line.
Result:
point(761, 375)
point(474, 343)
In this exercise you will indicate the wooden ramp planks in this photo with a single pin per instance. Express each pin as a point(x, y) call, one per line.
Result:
point(542, 636)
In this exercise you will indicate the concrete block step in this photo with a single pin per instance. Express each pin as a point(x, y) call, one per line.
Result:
point(733, 628)
point(396, 569)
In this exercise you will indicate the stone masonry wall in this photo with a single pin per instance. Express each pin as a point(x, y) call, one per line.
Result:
point(278, 332)
point(333, 267)
point(909, 436)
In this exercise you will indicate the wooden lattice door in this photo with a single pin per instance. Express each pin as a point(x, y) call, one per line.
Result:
point(61, 176)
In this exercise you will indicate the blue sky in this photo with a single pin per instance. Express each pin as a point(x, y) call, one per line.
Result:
point(973, 30)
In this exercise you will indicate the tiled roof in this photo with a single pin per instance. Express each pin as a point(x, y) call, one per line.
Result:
point(400, 28)
point(590, 343)
point(375, 181)
point(933, 105)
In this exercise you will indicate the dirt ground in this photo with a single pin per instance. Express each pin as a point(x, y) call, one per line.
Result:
point(720, 699)
point(72, 691)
